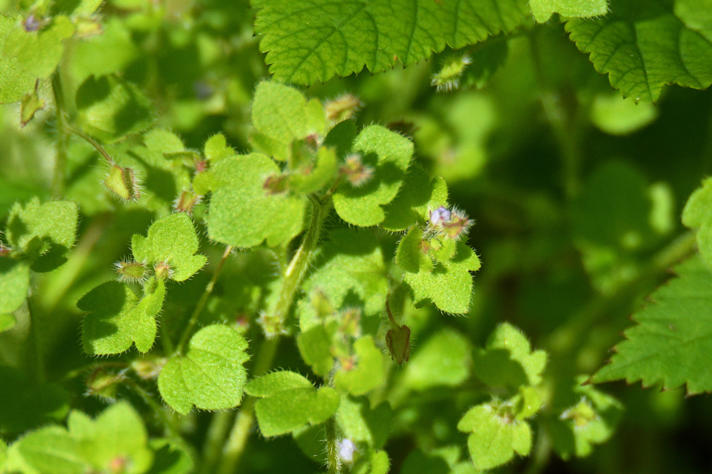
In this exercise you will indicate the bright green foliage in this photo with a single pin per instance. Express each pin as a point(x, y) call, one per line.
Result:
point(543, 9)
point(315, 347)
point(643, 46)
point(349, 271)
point(27, 56)
point(369, 371)
point(670, 341)
point(442, 360)
point(115, 439)
point(619, 116)
point(110, 108)
point(508, 360)
point(243, 213)
point(26, 404)
point(590, 420)
point(34, 228)
point(7, 321)
point(288, 401)
point(3, 453)
point(697, 214)
point(282, 115)
point(118, 317)
point(314, 177)
point(210, 375)
point(438, 270)
point(343, 38)
point(388, 155)
point(494, 436)
point(14, 283)
point(363, 424)
point(172, 241)
point(418, 195)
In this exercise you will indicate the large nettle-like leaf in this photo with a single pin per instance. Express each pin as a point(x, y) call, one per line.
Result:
point(211, 375)
point(316, 40)
point(645, 44)
point(671, 343)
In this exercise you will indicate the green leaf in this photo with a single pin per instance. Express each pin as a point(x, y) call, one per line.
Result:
point(616, 115)
point(388, 155)
point(508, 360)
point(543, 9)
point(590, 419)
point(27, 56)
point(442, 360)
point(110, 108)
point(360, 423)
point(369, 372)
point(444, 279)
point(116, 437)
point(211, 375)
point(170, 457)
point(317, 176)
point(243, 213)
point(349, 272)
point(644, 46)
point(26, 404)
point(697, 214)
point(315, 348)
point(7, 322)
point(14, 284)
point(288, 401)
point(3, 453)
point(314, 42)
point(35, 228)
point(418, 195)
point(670, 341)
point(216, 148)
point(282, 115)
point(118, 318)
point(494, 438)
point(171, 240)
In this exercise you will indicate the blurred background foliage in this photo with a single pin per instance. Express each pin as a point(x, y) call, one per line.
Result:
point(574, 190)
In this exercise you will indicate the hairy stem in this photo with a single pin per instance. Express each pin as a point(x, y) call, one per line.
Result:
point(62, 138)
point(293, 276)
point(97, 146)
point(332, 455)
point(202, 301)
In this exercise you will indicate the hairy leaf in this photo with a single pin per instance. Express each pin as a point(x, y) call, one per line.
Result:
point(26, 56)
point(418, 195)
point(14, 283)
point(36, 228)
point(211, 375)
point(369, 372)
point(644, 45)
point(243, 213)
point(543, 9)
point(288, 401)
point(306, 43)
point(671, 340)
point(442, 360)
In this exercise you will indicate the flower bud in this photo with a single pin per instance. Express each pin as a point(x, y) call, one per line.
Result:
point(355, 171)
point(130, 271)
point(122, 182)
point(342, 108)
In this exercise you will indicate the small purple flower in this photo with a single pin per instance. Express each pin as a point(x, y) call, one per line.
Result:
point(346, 449)
point(31, 23)
point(440, 216)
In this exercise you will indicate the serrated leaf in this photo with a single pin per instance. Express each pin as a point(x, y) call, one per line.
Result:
point(543, 9)
point(110, 108)
point(508, 359)
point(36, 228)
point(118, 318)
point(349, 272)
point(442, 360)
point(418, 194)
point(14, 283)
point(289, 401)
point(211, 375)
point(494, 438)
point(369, 372)
point(388, 155)
point(670, 341)
point(26, 404)
point(342, 38)
point(26, 56)
point(242, 212)
point(171, 240)
point(445, 281)
point(644, 46)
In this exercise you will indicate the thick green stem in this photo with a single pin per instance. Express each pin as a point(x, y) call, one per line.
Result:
point(332, 455)
point(62, 138)
point(202, 301)
point(293, 276)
